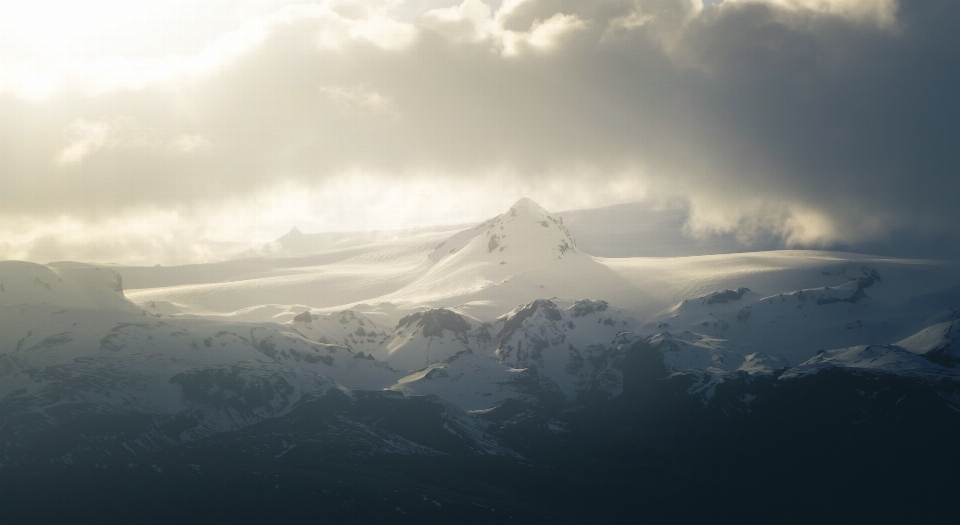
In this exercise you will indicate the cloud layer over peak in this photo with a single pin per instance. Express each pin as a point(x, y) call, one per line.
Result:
point(820, 123)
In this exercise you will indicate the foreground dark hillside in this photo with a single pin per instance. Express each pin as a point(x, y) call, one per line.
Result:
point(834, 446)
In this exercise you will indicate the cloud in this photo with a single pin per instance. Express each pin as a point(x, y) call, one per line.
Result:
point(758, 221)
point(881, 13)
point(358, 98)
point(108, 75)
point(819, 122)
point(545, 34)
point(86, 137)
point(471, 21)
point(474, 21)
point(188, 142)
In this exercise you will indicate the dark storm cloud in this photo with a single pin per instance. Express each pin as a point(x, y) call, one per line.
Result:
point(859, 121)
point(818, 123)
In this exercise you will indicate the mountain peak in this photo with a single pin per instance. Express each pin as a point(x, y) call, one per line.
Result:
point(523, 234)
point(527, 205)
point(292, 238)
point(529, 228)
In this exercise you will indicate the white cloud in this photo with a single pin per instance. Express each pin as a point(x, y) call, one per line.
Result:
point(358, 98)
point(189, 142)
point(108, 75)
point(882, 13)
point(546, 34)
point(382, 31)
point(752, 220)
point(87, 137)
point(350, 202)
point(471, 21)
point(636, 18)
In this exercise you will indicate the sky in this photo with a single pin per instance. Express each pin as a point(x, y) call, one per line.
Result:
point(137, 131)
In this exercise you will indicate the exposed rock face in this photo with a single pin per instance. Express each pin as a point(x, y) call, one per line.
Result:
point(586, 307)
point(514, 320)
point(868, 279)
point(422, 339)
point(727, 296)
point(434, 322)
point(347, 328)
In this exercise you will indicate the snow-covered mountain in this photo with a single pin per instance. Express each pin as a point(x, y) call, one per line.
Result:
point(424, 338)
point(80, 352)
point(23, 283)
point(540, 352)
point(514, 258)
point(486, 336)
point(939, 343)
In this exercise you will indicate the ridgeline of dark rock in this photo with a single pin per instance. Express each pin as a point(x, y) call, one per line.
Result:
point(587, 307)
point(515, 319)
point(434, 322)
point(869, 277)
point(727, 296)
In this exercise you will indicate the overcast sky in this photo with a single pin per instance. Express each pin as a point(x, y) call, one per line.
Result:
point(130, 130)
